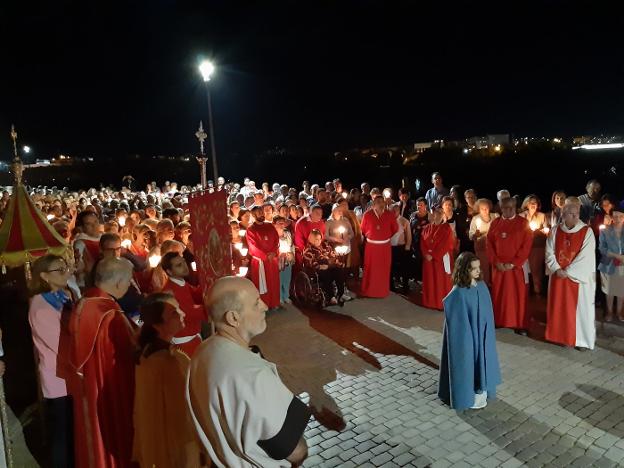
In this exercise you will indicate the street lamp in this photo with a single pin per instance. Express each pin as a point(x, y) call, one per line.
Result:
point(206, 68)
point(26, 149)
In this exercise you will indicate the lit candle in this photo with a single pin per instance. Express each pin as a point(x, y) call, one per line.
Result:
point(546, 230)
point(386, 193)
point(283, 246)
point(533, 225)
point(154, 260)
point(342, 230)
point(126, 243)
point(242, 271)
point(242, 232)
point(122, 221)
point(344, 195)
point(601, 227)
point(244, 251)
point(194, 266)
point(50, 216)
point(342, 249)
point(238, 245)
point(479, 224)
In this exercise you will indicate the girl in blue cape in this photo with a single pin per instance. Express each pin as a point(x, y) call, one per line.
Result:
point(469, 371)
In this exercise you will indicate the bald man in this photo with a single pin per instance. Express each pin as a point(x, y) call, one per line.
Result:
point(244, 415)
point(102, 358)
point(571, 264)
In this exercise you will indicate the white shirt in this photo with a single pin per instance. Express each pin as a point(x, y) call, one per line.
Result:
point(236, 399)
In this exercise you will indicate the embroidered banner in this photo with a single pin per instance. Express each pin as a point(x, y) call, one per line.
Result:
point(211, 237)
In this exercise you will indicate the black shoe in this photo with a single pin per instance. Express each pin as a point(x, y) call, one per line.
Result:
point(581, 348)
point(521, 332)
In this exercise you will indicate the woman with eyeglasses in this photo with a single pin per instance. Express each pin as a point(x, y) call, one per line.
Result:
point(50, 306)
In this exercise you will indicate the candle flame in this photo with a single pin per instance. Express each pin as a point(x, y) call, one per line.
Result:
point(244, 251)
point(283, 247)
point(242, 271)
point(602, 226)
point(126, 243)
point(194, 266)
point(50, 216)
point(342, 249)
point(546, 230)
point(122, 221)
point(154, 260)
point(242, 232)
point(533, 225)
point(238, 245)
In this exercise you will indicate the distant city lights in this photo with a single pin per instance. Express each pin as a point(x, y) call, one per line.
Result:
point(600, 146)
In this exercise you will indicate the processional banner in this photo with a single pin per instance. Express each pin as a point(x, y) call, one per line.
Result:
point(211, 237)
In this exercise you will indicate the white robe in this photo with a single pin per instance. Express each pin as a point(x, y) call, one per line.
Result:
point(236, 398)
point(582, 270)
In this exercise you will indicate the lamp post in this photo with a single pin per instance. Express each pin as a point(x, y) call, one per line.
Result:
point(201, 136)
point(206, 68)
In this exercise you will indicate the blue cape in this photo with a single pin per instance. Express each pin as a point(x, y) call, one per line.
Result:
point(469, 362)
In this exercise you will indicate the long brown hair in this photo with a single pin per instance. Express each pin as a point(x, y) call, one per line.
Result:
point(461, 272)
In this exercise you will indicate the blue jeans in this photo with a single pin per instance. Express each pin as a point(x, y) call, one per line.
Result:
point(285, 276)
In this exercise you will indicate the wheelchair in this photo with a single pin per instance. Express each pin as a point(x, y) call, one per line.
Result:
point(307, 289)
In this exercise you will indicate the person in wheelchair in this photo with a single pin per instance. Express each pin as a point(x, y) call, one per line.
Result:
point(320, 257)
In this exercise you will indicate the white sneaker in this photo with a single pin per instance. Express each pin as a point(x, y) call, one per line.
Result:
point(346, 298)
point(480, 400)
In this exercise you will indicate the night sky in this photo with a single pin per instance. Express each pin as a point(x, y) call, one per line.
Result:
point(110, 79)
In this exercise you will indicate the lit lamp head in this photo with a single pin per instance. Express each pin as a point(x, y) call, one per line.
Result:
point(206, 68)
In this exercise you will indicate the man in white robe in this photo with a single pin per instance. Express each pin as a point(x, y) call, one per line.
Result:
point(571, 264)
point(243, 413)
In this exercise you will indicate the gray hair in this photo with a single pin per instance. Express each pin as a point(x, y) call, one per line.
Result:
point(110, 270)
point(226, 295)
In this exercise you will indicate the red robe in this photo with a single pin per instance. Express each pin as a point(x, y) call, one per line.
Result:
point(191, 302)
point(510, 241)
point(436, 240)
point(303, 228)
point(378, 252)
point(262, 239)
point(570, 313)
point(102, 382)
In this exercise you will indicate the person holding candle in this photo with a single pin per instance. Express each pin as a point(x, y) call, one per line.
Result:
point(240, 251)
point(571, 264)
point(305, 225)
point(603, 216)
point(537, 222)
point(611, 267)
point(509, 241)
point(263, 243)
point(469, 369)
point(244, 218)
point(190, 299)
point(378, 227)
point(437, 242)
point(286, 258)
point(479, 227)
point(354, 258)
point(322, 258)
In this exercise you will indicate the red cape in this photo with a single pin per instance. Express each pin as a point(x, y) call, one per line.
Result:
point(102, 384)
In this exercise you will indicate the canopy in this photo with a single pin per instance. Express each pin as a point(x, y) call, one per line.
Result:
point(25, 234)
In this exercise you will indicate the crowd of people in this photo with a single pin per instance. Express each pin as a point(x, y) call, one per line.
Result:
point(118, 326)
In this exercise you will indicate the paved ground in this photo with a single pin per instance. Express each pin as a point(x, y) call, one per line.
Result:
point(369, 370)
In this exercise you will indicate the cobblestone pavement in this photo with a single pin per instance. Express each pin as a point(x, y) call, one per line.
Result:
point(369, 370)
